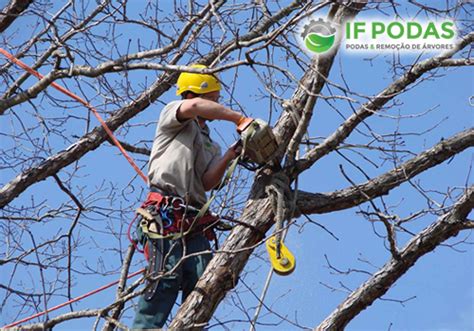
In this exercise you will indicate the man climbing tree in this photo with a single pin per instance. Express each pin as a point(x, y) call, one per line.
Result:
point(371, 105)
point(184, 163)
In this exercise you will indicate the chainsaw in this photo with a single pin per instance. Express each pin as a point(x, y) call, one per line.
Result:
point(258, 141)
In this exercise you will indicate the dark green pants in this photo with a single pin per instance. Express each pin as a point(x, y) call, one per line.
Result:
point(153, 314)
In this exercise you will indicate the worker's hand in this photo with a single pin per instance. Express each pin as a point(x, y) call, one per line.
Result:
point(243, 123)
point(234, 150)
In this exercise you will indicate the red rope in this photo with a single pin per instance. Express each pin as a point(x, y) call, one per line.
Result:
point(88, 294)
point(124, 153)
point(97, 115)
point(85, 103)
point(120, 147)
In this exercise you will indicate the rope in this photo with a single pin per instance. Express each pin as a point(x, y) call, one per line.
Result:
point(278, 188)
point(88, 294)
point(85, 103)
point(114, 140)
point(282, 204)
point(261, 299)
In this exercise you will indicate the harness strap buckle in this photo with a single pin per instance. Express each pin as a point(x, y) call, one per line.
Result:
point(145, 214)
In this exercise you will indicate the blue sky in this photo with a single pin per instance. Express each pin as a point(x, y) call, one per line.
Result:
point(442, 281)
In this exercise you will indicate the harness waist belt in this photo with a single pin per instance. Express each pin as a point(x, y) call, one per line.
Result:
point(173, 218)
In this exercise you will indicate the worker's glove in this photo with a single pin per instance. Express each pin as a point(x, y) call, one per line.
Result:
point(243, 124)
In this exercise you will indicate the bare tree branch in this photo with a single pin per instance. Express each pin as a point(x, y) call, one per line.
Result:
point(447, 226)
point(317, 203)
point(96, 137)
point(310, 85)
point(11, 12)
point(106, 67)
point(81, 26)
point(368, 109)
point(122, 58)
point(87, 143)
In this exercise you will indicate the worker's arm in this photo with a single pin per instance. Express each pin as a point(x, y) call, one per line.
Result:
point(207, 109)
point(214, 174)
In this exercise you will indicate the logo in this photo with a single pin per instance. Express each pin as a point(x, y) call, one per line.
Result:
point(377, 35)
point(397, 35)
point(319, 36)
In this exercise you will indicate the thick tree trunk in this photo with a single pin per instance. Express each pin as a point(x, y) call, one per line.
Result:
point(223, 271)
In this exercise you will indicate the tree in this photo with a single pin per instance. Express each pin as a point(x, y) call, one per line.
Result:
point(109, 52)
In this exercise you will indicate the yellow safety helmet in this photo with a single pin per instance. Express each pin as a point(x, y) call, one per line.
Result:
point(197, 83)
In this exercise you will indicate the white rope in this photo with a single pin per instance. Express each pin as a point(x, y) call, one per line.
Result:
point(277, 190)
point(281, 199)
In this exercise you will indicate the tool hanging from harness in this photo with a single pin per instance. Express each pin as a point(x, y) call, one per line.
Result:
point(164, 217)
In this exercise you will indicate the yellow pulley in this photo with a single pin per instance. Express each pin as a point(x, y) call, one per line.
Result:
point(285, 263)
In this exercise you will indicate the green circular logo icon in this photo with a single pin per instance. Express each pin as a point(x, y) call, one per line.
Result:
point(319, 36)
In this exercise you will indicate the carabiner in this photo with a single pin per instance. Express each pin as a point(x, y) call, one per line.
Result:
point(167, 220)
point(177, 203)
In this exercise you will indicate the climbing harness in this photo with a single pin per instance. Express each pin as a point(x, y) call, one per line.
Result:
point(166, 217)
